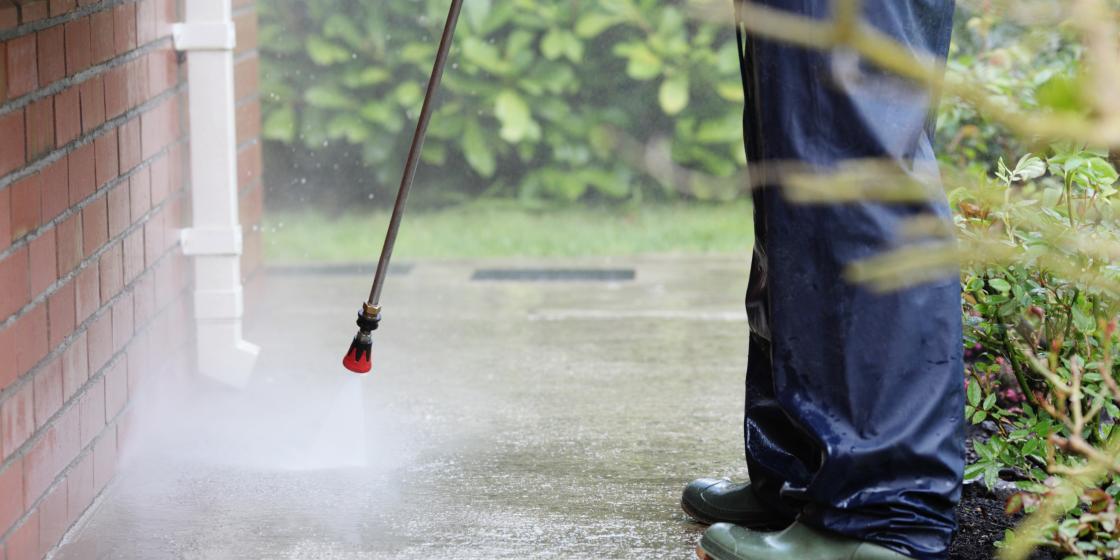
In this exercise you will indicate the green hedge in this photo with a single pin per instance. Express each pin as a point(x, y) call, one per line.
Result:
point(613, 99)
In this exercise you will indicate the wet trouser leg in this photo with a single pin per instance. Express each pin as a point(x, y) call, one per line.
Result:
point(855, 398)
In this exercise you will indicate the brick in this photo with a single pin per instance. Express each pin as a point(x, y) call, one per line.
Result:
point(40, 128)
point(9, 16)
point(154, 131)
point(87, 293)
point(33, 10)
point(124, 27)
point(102, 46)
point(79, 485)
point(13, 152)
point(16, 280)
point(140, 193)
point(93, 103)
point(23, 66)
point(246, 24)
point(31, 338)
point(17, 419)
point(5, 219)
point(61, 314)
point(116, 389)
point(145, 21)
point(53, 452)
point(122, 322)
point(99, 337)
point(118, 209)
point(48, 392)
point(3, 60)
point(27, 205)
point(248, 116)
point(104, 461)
point(59, 7)
point(23, 543)
point(95, 225)
point(53, 517)
point(166, 15)
point(129, 149)
point(116, 91)
point(7, 367)
point(161, 180)
point(44, 262)
point(92, 407)
point(246, 77)
point(133, 255)
point(112, 272)
point(144, 299)
point(11, 487)
point(77, 45)
point(83, 175)
point(67, 116)
point(138, 86)
point(69, 236)
point(75, 366)
point(153, 238)
point(248, 165)
point(51, 46)
point(162, 71)
point(107, 159)
point(56, 189)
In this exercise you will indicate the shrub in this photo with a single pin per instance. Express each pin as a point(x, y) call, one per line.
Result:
point(572, 100)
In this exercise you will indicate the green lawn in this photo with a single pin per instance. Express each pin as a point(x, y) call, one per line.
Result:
point(493, 230)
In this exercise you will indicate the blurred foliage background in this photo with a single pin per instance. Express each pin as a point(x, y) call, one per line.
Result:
point(619, 100)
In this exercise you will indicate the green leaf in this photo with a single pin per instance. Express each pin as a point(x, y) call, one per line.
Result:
point(327, 97)
point(643, 64)
point(974, 394)
point(477, 10)
point(325, 53)
point(477, 151)
point(484, 55)
point(988, 402)
point(673, 95)
point(409, 94)
point(593, 24)
point(1000, 285)
point(517, 121)
point(280, 125)
point(1083, 320)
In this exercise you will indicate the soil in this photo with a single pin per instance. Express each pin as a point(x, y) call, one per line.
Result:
point(982, 518)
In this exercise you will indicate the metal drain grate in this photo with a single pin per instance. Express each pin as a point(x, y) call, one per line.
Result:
point(342, 269)
point(552, 275)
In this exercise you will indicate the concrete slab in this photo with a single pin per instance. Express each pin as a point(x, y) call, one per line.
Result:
point(502, 419)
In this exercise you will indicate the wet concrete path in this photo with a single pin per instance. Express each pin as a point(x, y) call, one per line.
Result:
point(502, 419)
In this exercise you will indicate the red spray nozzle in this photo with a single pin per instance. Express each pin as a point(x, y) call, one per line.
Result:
point(359, 358)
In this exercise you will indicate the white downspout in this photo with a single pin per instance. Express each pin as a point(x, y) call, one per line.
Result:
point(214, 240)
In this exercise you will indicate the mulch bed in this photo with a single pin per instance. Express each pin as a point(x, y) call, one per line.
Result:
point(982, 518)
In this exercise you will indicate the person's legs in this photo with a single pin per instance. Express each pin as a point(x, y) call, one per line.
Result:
point(854, 398)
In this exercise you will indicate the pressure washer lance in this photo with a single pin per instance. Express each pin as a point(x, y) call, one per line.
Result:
point(358, 358)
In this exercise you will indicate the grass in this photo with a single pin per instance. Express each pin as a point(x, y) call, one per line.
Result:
point(502, 230)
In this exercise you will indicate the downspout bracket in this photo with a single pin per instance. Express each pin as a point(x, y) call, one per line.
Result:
point(204, 36)
point(211, 241)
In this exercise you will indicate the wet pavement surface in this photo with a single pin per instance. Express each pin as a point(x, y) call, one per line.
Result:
point(511, 419)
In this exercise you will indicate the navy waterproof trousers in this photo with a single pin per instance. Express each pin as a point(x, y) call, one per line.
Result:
point(855, 398)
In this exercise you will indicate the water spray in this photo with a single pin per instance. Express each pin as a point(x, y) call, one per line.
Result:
point(358, 358)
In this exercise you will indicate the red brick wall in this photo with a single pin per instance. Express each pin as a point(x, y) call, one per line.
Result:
point(94, 289)
point(247, 86)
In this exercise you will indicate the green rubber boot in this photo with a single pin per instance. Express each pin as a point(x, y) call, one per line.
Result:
point(724, 541)
point(713, 500)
